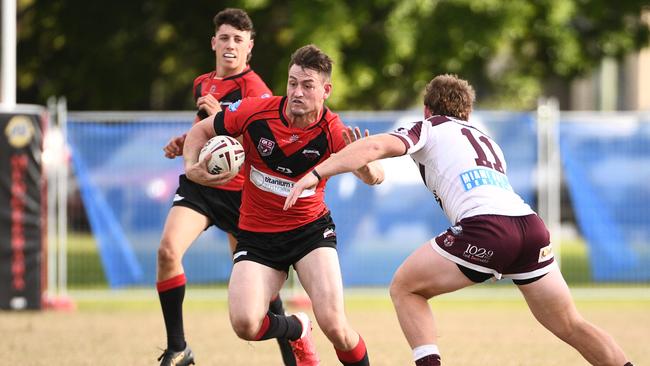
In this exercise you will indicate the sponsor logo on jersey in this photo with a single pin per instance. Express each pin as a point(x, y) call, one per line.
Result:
point(265, 146)
point(311, 154)
point(402, 131)
point(275, 185)
point(213, 88)
point(482, 177)
point(328, 233)
point(545, 253)
point(284, 170)
point(178, 197)
point(477, 254)
point(239, 254)
point(233, 106)
point(265, 95)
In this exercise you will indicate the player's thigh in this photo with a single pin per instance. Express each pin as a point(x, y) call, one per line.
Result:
point(182, 226)
point(251, 287)
point(427, 273)
point(320, 275)
point(550, 301)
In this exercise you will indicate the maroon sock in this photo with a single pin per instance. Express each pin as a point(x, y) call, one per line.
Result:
point(358, 356)
point(429, 360)
point(171, 293)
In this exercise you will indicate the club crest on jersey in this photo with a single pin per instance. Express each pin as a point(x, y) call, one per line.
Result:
point(449, 240)
point(311, 154)
point(265, 146)
point(233, 107)
point(213, 88)
point(265, 95)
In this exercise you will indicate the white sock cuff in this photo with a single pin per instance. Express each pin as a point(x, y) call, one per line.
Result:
point(425, 350)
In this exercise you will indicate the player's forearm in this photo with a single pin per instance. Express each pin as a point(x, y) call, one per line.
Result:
point(355, 156)
point(195, 139)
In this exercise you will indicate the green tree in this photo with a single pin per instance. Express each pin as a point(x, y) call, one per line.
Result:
point(139, 55)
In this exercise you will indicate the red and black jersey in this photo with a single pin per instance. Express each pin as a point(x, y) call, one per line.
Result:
point(227, 91)
point(278, 155)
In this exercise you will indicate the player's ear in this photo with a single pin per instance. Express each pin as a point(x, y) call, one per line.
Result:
point(213, 43)
point(328, 89)
point(427, 112)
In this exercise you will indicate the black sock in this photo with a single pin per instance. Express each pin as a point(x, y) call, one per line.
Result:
point(286, 351)
point(429, 360)
point(280, 326)
point(275, 306)
point(171, 302)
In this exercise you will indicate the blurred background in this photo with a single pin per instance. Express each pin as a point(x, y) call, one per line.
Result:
point(562, 85)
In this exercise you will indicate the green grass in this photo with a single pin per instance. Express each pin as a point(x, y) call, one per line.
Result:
point(574, 261)
point(85, 268)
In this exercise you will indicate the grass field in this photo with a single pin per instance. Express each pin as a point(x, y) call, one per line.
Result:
point(486, 325)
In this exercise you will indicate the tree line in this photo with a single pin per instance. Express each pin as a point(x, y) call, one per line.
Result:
point(144, 55)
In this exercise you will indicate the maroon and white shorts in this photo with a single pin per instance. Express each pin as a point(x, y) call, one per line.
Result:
point(516, 247)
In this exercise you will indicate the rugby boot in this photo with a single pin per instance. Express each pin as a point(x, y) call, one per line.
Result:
point(304, 348)
point(180, 358)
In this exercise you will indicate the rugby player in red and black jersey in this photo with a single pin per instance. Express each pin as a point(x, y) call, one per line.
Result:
point(284, 138)
point(197, 207)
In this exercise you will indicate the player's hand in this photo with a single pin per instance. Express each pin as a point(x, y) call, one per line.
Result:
point(198, 173)
point(209, 104)
point(174, 147)
point(309, 181)
point(351, 135)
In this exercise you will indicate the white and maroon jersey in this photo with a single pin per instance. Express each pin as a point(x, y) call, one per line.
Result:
point(463, 168)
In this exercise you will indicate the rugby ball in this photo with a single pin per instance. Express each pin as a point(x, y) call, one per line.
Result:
point(227, 154)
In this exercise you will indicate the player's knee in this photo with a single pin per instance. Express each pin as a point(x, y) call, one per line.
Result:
point(167, 254)
point(245, 327)
point(335, 331)
point(398, 288)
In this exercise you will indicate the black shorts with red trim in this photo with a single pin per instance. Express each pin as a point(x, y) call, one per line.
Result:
point(283, 249)
point(220, 206)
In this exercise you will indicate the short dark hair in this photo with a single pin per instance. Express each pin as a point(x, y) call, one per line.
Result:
point(236, 18)
point(448, 95)
point(311, 57)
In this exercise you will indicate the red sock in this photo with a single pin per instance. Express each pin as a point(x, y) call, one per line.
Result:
point(171, 283)
point(357, 356)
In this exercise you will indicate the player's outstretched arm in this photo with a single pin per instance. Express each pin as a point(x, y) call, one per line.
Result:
point(197, 171)
point(351, 158)
point(371, 173)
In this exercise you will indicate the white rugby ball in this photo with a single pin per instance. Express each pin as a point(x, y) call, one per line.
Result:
point(227, 154)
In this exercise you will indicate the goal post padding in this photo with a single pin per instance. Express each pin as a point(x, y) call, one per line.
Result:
point(22, 216)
